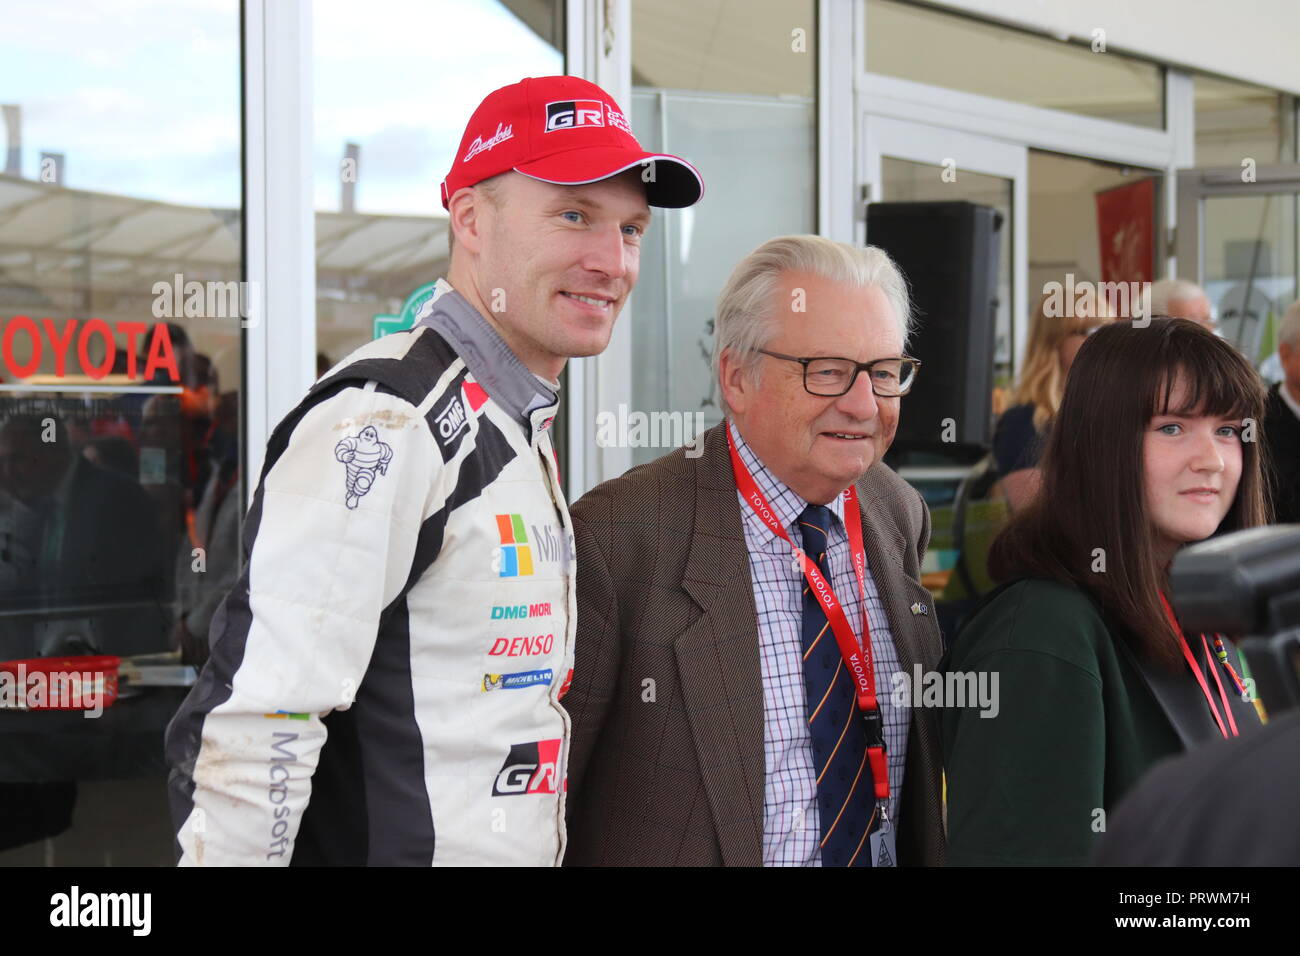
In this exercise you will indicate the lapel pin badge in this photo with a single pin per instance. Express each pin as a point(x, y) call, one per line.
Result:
point(919, 608)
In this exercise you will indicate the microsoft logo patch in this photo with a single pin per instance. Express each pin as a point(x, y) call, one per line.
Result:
point(514, 558)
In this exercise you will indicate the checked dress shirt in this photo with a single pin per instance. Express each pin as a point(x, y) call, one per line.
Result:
point(792, 829)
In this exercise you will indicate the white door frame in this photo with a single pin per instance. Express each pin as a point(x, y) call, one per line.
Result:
point(1208, 182)
point(599, 48)
point(837, 58)
point(279, 221)
point(884, 136)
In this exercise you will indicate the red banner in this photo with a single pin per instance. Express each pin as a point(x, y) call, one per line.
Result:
point(1126, 230)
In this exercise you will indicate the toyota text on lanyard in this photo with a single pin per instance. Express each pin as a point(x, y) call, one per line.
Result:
point(857, 657)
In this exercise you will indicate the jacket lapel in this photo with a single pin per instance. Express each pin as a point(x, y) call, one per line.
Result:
point(899, 593)
point(917, 643)
point(718, 660)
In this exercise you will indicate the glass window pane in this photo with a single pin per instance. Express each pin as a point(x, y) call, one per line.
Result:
point(391, 104)
point(1250, 268)
point(1067, 231)
point(760, 47)
point(1235, 121)
point(120, 504)
point(959, 53)
point(737, 101)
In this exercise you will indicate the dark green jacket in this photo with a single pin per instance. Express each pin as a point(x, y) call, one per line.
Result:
point(1079, 720)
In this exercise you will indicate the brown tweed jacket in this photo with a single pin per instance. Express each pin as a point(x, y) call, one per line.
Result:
point(666, 765)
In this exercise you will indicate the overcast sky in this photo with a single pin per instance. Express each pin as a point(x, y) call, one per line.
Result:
point(142, 96)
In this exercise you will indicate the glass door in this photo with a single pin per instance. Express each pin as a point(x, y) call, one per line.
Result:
point(1237, 238)
point(912, 162)
point(124, 322)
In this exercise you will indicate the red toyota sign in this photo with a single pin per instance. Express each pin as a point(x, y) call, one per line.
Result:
point(59, 339)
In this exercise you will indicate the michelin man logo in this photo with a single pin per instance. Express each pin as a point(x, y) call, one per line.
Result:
point(364, 454)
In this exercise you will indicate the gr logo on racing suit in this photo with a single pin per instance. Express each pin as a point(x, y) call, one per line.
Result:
point(530, 768)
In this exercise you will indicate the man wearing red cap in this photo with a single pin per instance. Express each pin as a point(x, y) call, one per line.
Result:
point(385, 679)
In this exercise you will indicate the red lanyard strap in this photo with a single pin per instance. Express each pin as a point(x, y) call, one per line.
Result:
point(857, 655)
point(1209, 665)
point(1200, 678)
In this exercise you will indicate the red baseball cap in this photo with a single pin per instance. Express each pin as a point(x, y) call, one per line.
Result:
point(567, 131)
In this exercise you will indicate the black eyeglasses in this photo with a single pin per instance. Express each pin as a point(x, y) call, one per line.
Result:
point(829, 377)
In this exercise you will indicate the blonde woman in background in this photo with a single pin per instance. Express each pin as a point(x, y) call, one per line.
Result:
point(1022, 428)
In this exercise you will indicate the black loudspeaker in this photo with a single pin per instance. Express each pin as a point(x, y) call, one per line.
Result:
point(949, 253)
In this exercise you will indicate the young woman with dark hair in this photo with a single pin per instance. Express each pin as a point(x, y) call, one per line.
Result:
point(1155, 446)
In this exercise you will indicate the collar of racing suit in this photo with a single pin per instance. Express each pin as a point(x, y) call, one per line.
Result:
point(529, 398)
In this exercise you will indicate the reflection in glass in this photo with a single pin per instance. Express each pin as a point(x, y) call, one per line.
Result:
point(119, 407)
point(738, 101)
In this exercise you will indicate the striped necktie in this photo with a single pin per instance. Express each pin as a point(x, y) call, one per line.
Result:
point(839, 742)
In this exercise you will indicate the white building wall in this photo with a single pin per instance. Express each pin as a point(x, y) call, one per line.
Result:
point(1254, 40)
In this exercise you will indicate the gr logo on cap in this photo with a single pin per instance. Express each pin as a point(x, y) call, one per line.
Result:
point(567, 131)
point(567, 114)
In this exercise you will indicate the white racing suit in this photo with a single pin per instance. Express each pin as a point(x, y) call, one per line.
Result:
point(385, 678)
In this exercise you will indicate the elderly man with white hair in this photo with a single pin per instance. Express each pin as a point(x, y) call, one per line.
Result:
point(1182, 299)
point(1282, 421)
point(746, 615)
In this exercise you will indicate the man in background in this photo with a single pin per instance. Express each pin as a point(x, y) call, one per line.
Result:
point(1182, 299)
point(1282, 421)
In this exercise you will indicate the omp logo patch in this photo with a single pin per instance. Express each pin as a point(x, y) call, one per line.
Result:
point(514, 681)
point(571, 114)
point(530, 768)
point(450, 420)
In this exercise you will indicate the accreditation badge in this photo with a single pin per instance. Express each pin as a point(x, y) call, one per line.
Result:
point(883, 850)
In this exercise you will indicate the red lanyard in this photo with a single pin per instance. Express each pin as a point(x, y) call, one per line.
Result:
point(1200, 677)
point(857, 656)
